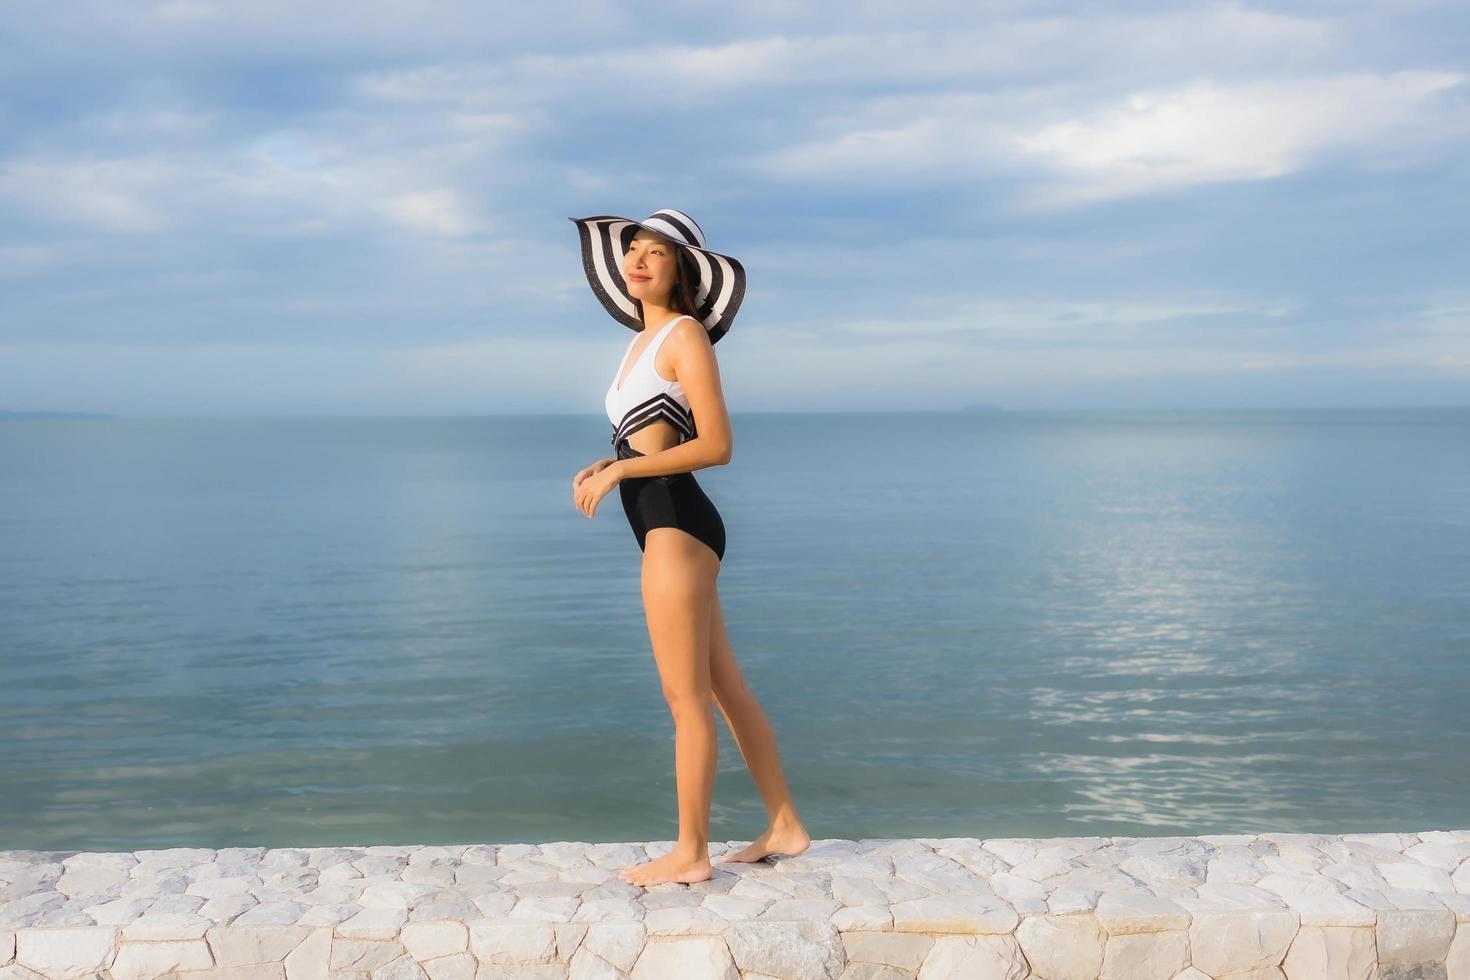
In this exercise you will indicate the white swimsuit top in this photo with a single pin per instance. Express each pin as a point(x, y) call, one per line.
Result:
point(646, 396)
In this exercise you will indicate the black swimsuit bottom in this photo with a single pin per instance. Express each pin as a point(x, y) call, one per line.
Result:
point(674, 500)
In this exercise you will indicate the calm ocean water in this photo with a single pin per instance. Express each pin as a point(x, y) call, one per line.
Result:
point(353, 631)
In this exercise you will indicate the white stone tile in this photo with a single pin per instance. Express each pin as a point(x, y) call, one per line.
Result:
point(685, 956)
point(1062, 945)
point(863, 918)
point(1238, 942)
point(953, 913)
point(65, 952)
point(378, 924)
point(166, 926)
point(786, 949)
point(146, 961)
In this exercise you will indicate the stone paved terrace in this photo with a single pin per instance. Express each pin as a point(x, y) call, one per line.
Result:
point(1389, 905)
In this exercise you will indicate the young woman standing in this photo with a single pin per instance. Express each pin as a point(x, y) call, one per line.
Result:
point(656, 277)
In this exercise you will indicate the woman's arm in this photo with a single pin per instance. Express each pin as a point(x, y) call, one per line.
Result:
point(698, 372)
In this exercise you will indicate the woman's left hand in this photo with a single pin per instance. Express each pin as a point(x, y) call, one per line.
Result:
point(595, 487)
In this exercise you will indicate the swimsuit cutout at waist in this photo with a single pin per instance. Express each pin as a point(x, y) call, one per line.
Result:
point(646, 396)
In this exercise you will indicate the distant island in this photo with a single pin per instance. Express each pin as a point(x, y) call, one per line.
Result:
point(40, 416)
point(982, 407)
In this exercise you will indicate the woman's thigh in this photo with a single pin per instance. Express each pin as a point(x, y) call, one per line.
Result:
point(679, 574)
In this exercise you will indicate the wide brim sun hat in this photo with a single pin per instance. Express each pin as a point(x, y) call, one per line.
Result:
point(605, 239)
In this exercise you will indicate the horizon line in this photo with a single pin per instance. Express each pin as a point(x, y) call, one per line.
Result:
point(81, 416)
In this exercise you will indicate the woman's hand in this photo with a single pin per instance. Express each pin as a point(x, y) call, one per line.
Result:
point(590, 485)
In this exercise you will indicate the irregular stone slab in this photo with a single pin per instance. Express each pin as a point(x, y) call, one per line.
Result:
point(65, 953)
point(91, 880)
point(144, 961)
point(502, 942)
point(246, 945)
point(863, 918)
point(374, 923)
point(403, 968)
point(685, 957)
point(787, 949)
point(1239, 942)
point(428, 940)
point(1066, 900)
point(462, 966)
point(166, 926)
point(987, 957)
point(1330, 910)
point(616, 943)
point(954, 913)
point(1130, 912)
point(311, 959)
point(903, 950)
point(1413, 936)
point(1331, 951)
point(362, 955)
point(1063, 947)
point(685, 921)
point(270, 913)
point(1146, 956)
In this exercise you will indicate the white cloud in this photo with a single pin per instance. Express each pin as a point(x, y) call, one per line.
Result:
point(1209, 133)
point(970, 48)
point(336, 179)
point(438, 212)
point(116, 195)
point(1151, 140)
point(1451, 317)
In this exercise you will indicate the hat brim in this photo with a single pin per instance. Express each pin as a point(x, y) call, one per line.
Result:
point(604, 239)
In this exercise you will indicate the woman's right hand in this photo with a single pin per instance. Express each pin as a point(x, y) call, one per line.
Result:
point(583, 474)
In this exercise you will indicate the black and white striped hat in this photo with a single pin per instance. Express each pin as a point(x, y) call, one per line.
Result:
point(605, 238)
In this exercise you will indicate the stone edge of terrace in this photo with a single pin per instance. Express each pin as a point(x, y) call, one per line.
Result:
point(956, 906)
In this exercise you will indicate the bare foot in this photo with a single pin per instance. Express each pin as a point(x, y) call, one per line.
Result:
point(673, 866)
point(786, 839)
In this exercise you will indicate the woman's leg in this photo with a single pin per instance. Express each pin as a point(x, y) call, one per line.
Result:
point(678, 580)
point(757, 742)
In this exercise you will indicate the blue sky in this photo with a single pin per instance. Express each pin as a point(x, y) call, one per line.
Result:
point(361, 208)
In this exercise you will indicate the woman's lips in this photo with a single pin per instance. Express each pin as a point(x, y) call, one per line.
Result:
point(640, 278)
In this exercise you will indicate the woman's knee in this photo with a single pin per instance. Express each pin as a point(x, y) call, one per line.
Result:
point(687, 702)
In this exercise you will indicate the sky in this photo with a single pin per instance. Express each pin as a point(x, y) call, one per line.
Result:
point(273, 208)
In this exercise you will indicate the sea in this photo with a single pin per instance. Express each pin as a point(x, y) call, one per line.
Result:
point(374, 630)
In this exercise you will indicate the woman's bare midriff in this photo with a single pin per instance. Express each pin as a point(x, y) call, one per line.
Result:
point(654, 438)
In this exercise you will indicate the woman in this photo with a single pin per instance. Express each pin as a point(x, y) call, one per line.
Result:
point(656, 277)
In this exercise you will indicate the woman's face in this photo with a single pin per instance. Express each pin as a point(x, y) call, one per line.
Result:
point(650, 267)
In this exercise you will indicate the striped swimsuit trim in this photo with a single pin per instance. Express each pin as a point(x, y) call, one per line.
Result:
point(661, 406)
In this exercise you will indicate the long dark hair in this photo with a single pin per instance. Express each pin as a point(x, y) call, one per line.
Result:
point(681, 297)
